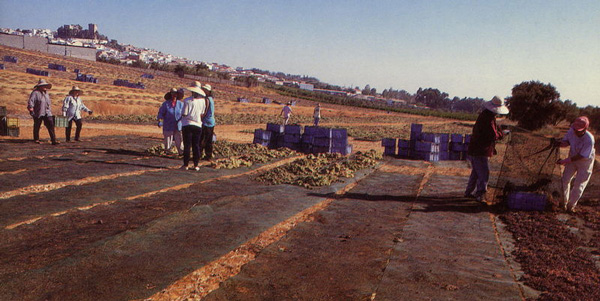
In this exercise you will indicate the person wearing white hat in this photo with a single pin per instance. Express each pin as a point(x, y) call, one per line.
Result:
point(208, 125)
point(317, 114)
point(286, 112)
point(194, 109)
point(580, 162)
point(483, 146)
point(170, 114)
point(40, 108)
point(72, 107)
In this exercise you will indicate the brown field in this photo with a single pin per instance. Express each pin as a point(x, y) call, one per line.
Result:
point(103, 219)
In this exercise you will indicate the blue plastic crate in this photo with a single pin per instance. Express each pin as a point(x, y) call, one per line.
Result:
point(261, 142)
point(323, 132)
point(416, 127)
point(526, 201)
point(414, 136)
point(467, 138)
point(444, 147)
point(403, 143)
point(431, 137)
point(310, 130)
point(423, 146)
point(339, 134)
point(444, 155)
point(457, 147)
point(322, 141)
point(292, 129)
point(389, 150)
point(388, 141)
point(444, 137)
point(262, 134)
point(342, 150)
point(457, 138)
point(307, 138)
point(291, 138)
point(320, 149)
point(404, 153)
point(275, 128)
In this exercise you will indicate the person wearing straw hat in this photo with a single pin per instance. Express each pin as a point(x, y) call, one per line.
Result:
point(579, 164)
point(483, 146)
point(208, 125)
point(170, 114)
point(40, 108)
point(72, 107)
point(194, 110)
point(317, 114)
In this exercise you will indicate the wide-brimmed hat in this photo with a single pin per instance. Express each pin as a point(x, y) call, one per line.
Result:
point(580, 124)
point(42, 82)
point(207, 87)
point(169, 94)
point(75, 89)
point(196, 87)
point(496, 105)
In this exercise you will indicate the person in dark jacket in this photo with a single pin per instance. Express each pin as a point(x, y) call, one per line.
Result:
point(483, 146)
point(40, 108)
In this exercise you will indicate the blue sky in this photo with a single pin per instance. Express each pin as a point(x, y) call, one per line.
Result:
point(464, 48)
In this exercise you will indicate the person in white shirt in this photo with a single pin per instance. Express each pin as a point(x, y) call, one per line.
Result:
point(194, 109)
point(579, 163)
point(317, 114)
point(286, 112)
point(72, 107)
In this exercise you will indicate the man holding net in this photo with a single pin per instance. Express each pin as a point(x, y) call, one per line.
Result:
point(483, 145)
point(579, 163)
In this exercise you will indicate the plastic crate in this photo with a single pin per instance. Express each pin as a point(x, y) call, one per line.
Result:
point(2, 111)
point(404, 153)
point(457, 147)
point(12, 131)
point(291, 138)
point(416, 128)
point(322, 141)
point(388, 141)
point(262, 134)
point(60, 122)
point(12, 122)
point(403, 143)
point(526, 201)
point(427, 147)
point(431, 137)
point(292, 129)
point(275, 128)
point(457, 138)
point(389, 150)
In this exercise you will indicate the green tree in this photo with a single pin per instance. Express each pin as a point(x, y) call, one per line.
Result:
point(534, 104)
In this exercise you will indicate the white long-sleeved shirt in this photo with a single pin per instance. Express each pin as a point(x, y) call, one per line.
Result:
point(72, 107)
point(193, 108)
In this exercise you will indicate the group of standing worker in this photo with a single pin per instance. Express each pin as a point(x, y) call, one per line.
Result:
point(578, 165)
point(39, 106)
point(191, 121)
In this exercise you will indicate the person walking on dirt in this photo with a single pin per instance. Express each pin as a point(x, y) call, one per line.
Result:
point(40, 108)
point(72, 107)
point(170, 114)
point(483, 146)
point(208, 125)
point(317, 114)
point(286, 112)
point(194, 109)
point(579, 163)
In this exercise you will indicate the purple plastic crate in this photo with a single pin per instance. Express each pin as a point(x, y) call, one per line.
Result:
point(416, 128)
point(275, 128)
point(292, 129)
point(388, 141)
point(322, 141)
point(526, 201)
point(431, 137)
point(431, 147)
point(291, 138)
point(403, 143)
point(456, 138)
point(389, 151)
point(404, 153)
point(457, 147)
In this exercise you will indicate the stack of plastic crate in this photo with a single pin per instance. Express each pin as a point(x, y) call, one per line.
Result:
point(322, 140)
point(11, 59)
point(88, 78)
point(262, 137)
point(389, 146)
point(57, 67)
point(292, 136)
point(2, 67)
point(9, 126)
point(339, 142)
point(37, 72)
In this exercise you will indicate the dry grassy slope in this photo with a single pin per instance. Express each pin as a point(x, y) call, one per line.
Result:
point(105, 98)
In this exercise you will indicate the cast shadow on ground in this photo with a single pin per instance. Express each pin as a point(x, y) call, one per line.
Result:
point(431, 204)
point(16, 141)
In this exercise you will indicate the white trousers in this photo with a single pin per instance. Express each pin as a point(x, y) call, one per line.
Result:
point(170, 137)
point(581, 170)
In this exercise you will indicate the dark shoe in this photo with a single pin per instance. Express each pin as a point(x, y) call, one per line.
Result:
point(37, 141)
point(55, 143)
point(77, 139)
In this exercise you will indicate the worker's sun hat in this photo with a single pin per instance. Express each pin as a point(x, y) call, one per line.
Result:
point(169, 95)
point(43, 82)
point(207, 87)
point(196, 87)
point(581, 123)
point(496, 105)
point(75, 89)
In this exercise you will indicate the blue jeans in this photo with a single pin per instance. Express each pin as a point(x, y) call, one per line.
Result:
point(480, 175)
